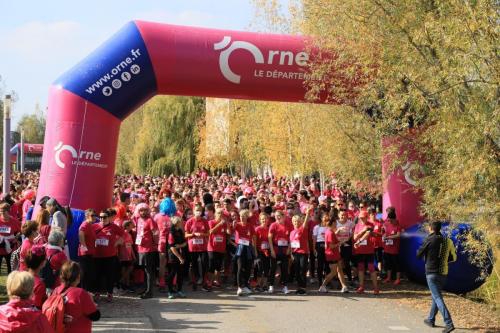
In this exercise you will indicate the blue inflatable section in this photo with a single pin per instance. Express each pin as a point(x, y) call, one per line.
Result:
point(463, 276)
point(72, 234)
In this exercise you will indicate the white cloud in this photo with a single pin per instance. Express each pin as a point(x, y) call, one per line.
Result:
point(40, 41)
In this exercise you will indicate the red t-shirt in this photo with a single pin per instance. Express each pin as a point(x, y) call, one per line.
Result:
point(57, 259)
point(9, 228)
point(299, 240)
point(217, 239)
point(280, 234)
point(366, 246)
point(331, 238)
point(163, 222)
point(39, 292)
point(126, 250)
point(106, 237)
point(391, 246)
point(78, 304)
point(27, 244)
point(121, 211)
point(197, 244)
point(147, 238)
point(89, 233)
point(263, 246)
point(377, 227)
point(243, 234)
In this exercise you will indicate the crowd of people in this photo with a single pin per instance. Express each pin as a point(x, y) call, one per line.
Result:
point(165, 234)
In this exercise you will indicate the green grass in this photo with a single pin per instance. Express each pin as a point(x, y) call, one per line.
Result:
point(3, 280)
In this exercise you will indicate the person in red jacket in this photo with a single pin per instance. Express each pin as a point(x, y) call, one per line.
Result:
point(364, 251)
point(147, 240)
point(19, 315)
point(35, 260)
point(9, 230)
point(79, 308)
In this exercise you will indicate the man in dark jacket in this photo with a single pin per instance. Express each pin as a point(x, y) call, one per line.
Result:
point(437, 250)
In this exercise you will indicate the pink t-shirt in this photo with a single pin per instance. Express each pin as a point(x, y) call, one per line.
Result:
point(90, 237)
point(197, 244)
point(217, 239)
point(299, 240)
point(9, 228)
point(126, 250)
point(147, 235)
point(331, 238)
point(366, 246)
point(280, 234)
point(243, 234)
point(25, 247)
point(39, 292)
point(391, 246)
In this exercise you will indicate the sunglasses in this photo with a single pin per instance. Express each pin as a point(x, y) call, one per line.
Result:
point(103, 216)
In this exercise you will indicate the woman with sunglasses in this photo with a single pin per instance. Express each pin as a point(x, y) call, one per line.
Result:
point(108, 237)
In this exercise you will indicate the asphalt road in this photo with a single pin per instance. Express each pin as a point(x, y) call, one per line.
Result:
point(223, 311)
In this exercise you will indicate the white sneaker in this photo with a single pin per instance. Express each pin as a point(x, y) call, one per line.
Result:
point(247, 291)
point(270, 290)
point(199, 281)
point(344, 290)
point(239, 292)
point(285, 290)
point(322, 289)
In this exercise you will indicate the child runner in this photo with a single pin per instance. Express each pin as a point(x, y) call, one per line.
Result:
point(392, 234)
point(332, 257)
point(263, 252)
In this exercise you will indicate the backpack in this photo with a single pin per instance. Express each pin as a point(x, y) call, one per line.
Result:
point(53, 309)
point(14, 259)
point(48, 275)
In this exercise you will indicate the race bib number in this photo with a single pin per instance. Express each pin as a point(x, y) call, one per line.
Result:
point(218, 239)
point(243, 241)
point(389, 242)
point(5, 230)
point(295, 245)
point(282, 242)
point(363, 243)
point(138, 240)
point(102, 242)
point(197, 241)
point(264, 246)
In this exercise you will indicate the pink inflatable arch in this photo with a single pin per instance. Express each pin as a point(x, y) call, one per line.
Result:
point(88, 103)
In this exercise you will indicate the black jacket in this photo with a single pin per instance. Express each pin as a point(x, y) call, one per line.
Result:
point(437, 251)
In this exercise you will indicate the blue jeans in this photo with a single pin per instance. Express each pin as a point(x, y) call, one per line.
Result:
point(436, 283)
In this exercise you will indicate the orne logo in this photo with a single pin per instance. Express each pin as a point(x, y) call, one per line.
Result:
point(273, 57)
point(86, 156)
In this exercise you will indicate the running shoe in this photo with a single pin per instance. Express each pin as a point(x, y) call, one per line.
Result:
point(302, 292)
point(145, 296)
point(285, 290)
point(270, 290)
point(216, 284)
point(247, 291)
point(397, 282)
point(206, 288)
point(387, 280)
point(376, 291)
point(344, 290)
point(171, 296)
point(239, 292)
point(322, 289)
point(360, 290)
point(181, 294)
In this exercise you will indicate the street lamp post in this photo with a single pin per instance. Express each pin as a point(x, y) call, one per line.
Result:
point(21, 151)
point(6, 143)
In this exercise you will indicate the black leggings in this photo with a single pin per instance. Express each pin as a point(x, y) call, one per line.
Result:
point(199, 259)
point(346, 254)
point(106, 273)
point(323, 268)
point(244, 269)
point(300, 268)
point(263, 265)
point(283, 259)
point(7, 259)
point(87, 265)
point(175, 269)
point(392, 262)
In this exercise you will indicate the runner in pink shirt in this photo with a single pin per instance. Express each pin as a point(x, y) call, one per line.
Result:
point(29, 231)
point(86, 250)
point(392, 234)
point(332, 257)
point(263, 252)
point(147, 241)
point(163, 222)
point(197, 232)
point(279, 235)
point(246, 252)
point(127, 256)
point(9, 230)
point(364, 251)
point(299, 243)
point(216, 246)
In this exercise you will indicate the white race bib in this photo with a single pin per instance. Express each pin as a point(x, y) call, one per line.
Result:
point(264, 246)
point(321, 237)
point(101, 242)
point(365, 242)
point(389, 242)
point(295, 244)
point(5, 229)
point(282, 242)
point(138, 240)
point(197, 241)
point(218, 239)
point(243, 241)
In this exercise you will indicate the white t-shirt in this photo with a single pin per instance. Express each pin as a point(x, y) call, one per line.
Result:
point(344, 230)
point(319, 233)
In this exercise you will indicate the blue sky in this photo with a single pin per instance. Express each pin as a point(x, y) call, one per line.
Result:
point(42, 39)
